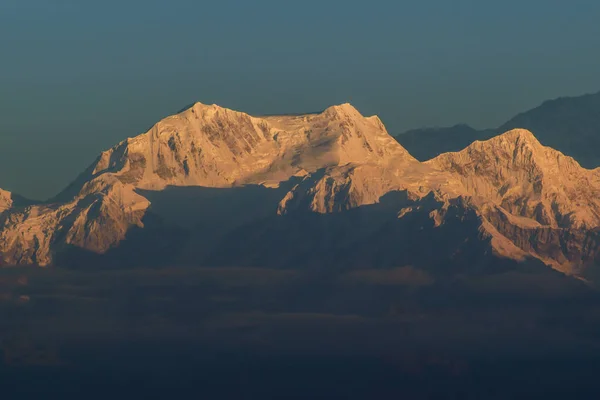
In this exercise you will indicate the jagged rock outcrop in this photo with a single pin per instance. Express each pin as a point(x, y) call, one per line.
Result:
point(97, 219)
point(527, 179)
point(10, 200)
point(6, 200)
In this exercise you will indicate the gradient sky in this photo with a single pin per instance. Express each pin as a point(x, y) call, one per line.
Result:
point(77, 76)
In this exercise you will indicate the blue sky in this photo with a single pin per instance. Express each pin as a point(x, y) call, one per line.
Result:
point(77, 76)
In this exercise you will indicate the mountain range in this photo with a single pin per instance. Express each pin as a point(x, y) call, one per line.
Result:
point(568, 124)
point(215, 187)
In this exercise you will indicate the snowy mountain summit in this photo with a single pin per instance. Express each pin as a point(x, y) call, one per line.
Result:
point(513, 197)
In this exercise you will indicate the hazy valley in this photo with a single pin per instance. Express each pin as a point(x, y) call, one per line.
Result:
point(233, 244)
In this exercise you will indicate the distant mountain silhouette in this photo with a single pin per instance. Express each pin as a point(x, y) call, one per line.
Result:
point(568, 124)
point(427, 143)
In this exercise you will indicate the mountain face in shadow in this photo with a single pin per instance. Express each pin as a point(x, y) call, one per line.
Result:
point(238, 227)
point(570, 125)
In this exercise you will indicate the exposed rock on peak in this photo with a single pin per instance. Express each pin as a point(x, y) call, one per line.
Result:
point(217, 147)
point(517, 172)
point(10, 200)
point(341, 188)
point(342, 109)
point(5, 200)
point(524, 189)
